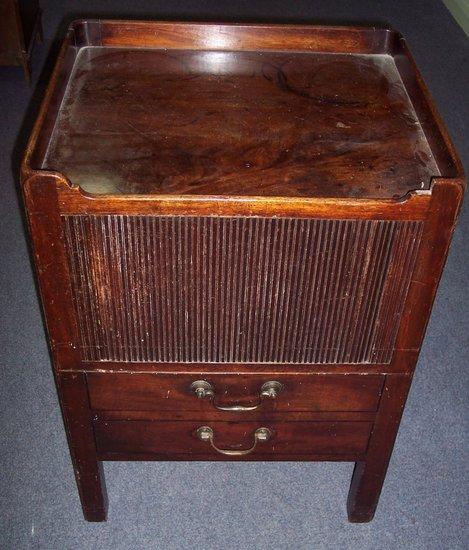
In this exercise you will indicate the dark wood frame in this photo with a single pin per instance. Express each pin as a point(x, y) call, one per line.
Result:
point(48, 195)
point(17, 44)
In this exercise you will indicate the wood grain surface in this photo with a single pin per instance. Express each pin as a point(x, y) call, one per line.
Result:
point(172, 392)
point(239, 123)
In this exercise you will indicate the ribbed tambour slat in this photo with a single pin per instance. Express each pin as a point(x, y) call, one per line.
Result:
point(239, 289)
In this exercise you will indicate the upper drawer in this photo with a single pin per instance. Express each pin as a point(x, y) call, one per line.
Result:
point(301, 392)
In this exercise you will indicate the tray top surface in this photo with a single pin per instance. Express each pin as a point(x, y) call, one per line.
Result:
point(239, 123)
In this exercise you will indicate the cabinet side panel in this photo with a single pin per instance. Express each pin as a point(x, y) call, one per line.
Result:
point(50, 260)
point(239, 289)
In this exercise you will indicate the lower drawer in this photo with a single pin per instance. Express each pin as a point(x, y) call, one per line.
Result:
point(231, 439)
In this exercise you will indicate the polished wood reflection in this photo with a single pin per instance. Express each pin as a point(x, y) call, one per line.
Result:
point(239, 123)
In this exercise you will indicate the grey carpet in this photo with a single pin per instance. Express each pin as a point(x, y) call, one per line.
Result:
point(234, 506)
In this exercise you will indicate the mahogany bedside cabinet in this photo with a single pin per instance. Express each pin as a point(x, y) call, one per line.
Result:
point(238, 232)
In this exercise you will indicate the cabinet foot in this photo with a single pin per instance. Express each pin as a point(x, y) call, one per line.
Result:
point(88, 469)
point(92, 489)
point(369, 474)
point(364, 493)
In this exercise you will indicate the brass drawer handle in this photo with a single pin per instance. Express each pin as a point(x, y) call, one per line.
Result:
point(204, 390)
point(205, 433)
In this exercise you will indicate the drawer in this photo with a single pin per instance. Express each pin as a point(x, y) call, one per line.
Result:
point(177, 392)
point(228, 439)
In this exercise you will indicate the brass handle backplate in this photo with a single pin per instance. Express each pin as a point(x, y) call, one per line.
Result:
point(204, 390)
point(205, 433)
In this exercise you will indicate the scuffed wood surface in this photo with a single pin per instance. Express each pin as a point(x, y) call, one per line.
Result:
point(239, 123)
point(256, 290)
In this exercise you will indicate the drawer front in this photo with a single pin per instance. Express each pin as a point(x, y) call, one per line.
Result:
point(176, 392)
point(183, 438)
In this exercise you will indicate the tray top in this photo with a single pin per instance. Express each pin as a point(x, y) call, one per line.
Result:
point(239, 123)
